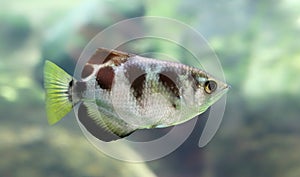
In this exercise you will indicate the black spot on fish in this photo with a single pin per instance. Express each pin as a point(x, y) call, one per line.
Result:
point(174, 105)
point(91, 126)
point(169, 79)
point(105, 77)
point(87, 71)
point(71, 83)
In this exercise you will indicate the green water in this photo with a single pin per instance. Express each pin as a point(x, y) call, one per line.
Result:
point(257, 43)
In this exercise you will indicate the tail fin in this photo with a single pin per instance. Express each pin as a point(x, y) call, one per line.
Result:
point(56, 83)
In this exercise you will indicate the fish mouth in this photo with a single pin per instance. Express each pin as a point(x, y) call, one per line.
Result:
point(220, 93)
point(215, 98)
point(227, 87)
point(224, 90)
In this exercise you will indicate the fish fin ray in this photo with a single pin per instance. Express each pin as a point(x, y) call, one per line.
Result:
point(56, 84)
point(108, 121)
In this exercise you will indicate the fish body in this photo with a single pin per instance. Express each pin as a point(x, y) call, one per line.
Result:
point(120, 92)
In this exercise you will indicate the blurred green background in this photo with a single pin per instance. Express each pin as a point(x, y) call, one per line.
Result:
point(257, 43)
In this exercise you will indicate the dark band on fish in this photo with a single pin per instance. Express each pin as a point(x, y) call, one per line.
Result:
point(102, 56)
point(87, 71)
point(169, 80)
point(133, 71)
point(137, 78)
point(194, 78)
point(105, 77)
point(196, 73)
point(138, 86)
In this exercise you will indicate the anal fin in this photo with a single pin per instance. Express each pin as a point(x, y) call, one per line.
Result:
point(101, 123)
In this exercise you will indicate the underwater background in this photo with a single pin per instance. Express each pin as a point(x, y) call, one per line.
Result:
point(257, 43)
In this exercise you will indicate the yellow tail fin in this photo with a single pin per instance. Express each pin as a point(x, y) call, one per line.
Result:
point(56, 83)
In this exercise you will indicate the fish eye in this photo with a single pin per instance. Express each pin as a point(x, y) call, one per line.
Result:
point(210, 86)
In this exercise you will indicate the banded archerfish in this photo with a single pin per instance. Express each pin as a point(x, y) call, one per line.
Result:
point(119, 93)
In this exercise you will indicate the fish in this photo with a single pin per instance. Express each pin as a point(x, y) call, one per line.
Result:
point(119, 93)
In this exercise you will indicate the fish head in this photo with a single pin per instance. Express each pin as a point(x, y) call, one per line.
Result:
point(208, 90)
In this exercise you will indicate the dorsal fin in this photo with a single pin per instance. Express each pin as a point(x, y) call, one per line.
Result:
point(103, 55)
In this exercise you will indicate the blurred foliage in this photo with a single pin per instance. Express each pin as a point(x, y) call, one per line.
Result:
point(257, 43)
